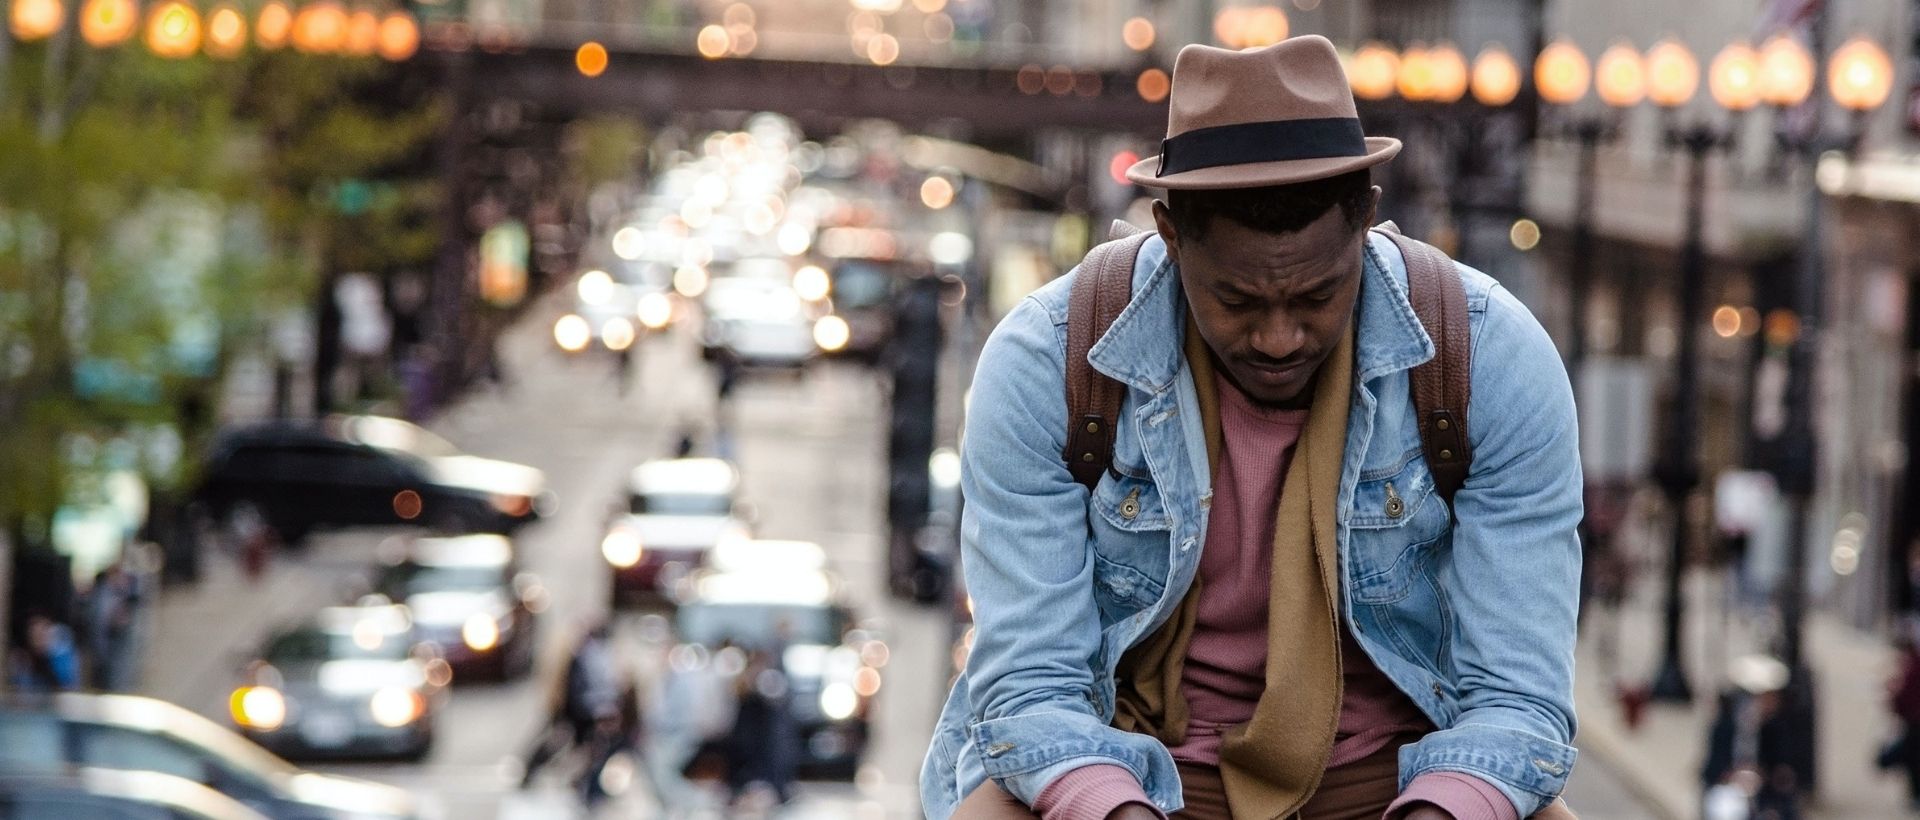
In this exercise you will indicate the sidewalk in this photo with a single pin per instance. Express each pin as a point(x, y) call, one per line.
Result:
point(1660, 760)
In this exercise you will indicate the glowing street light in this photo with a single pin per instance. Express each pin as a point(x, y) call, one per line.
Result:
point(399, 36)
point(1734, 77)
point(1374, 72)
point(107, 23)
point(226, 32)
point(1449, 69)
point(1673, 75)
point(1496, 77)
point(1860, 76)
point(35, 19)
point(1621, 79)
point(1786, 72)
point(1562, 73)
point(1416, 74)
point(320, 28)
point(363, 33)
point(173, 30)
point(273, 26)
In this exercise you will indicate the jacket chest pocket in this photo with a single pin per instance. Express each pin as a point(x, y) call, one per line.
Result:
point(1129, 525)
point(1397, 524)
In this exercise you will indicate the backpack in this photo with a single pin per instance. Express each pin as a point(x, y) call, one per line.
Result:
point(1441, 386)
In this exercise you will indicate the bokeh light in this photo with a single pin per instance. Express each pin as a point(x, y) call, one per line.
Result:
point(1138, 34)
point(226, 32)
point(1153, 85)
point(173, 30)
point(31, 20)
point(105, 23)
point(591, 58)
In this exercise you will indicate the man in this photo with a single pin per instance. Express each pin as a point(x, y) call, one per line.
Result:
point(1264, 608)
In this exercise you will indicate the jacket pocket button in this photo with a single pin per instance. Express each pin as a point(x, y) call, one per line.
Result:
point(1130, 508)
point(1438, 691)
point(999, 749)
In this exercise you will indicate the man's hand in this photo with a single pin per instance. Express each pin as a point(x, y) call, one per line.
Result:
point(1134, 811)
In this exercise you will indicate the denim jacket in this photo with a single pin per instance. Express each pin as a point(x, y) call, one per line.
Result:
point(1471, 615)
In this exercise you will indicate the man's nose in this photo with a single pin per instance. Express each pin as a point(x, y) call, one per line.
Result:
point(1278, 336)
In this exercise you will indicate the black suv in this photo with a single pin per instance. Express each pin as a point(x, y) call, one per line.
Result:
point(346, 471)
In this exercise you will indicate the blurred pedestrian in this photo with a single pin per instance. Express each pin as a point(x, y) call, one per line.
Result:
point(689, 707)
point(1904, 690)
point(585, 713)
point(764, 741)
point(49, 662)
point(112, 606)
point(623, 369)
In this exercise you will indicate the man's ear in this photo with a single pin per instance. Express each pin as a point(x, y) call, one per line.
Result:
point(1373, 208)
point(1163, 222)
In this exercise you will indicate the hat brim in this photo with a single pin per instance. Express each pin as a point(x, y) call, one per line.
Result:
point(1262, 174)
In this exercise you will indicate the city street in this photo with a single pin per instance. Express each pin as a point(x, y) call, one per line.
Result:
point(811, 451)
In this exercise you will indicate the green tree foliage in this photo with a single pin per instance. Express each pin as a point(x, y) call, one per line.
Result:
point(154, 213)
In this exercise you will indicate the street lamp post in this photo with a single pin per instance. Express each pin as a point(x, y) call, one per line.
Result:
point(1673, 76)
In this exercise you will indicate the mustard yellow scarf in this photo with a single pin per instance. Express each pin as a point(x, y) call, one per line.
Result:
point(1272, 764)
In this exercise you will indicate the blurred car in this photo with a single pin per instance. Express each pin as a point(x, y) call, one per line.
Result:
point(863, 299)
point(470, 600)
point(613, 308)
point(758, 321)
point(50, 735)
point(775, 596)
point(343, 471)
point(677, 510)
point(115, 794)
point(353, 682)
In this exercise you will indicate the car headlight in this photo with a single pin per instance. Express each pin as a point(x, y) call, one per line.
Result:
point(481, 632)
point(394, 707)
point(838, 701)
point(655, 311)
point(621, 548)
point(831, 333)
point(258, 707)
point(572, 333)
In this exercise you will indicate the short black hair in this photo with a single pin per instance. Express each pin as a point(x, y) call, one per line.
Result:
point(1276, 209)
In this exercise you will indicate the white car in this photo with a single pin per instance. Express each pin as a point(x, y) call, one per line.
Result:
point(759, 321)
point(677, 511)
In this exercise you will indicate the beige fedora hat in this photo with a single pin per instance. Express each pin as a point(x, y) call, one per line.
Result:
point(1270, 116)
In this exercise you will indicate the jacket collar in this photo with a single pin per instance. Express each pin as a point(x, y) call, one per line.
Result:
point(1143, 347)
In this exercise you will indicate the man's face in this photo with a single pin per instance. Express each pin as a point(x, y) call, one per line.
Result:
point(1271, 306)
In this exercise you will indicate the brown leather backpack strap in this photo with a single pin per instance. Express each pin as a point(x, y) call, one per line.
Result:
point(1101, 289)
point(1442, 386)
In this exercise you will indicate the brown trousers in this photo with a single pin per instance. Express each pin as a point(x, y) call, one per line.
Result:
point(1360, 790)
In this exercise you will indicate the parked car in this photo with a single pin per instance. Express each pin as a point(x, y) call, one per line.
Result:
point(776, 596)
point(469, 599)
point(345, 471)
point(115, 794)
point(353, 682)
point(48, 735)
point(676, 511)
